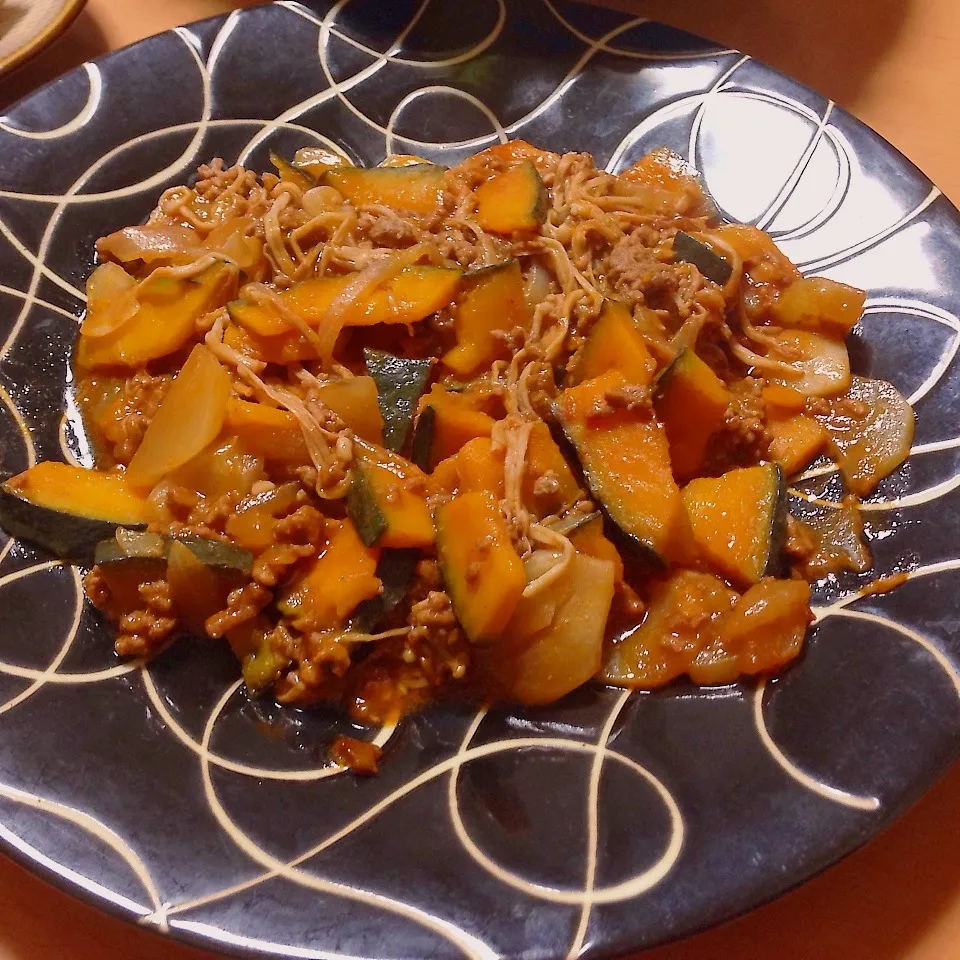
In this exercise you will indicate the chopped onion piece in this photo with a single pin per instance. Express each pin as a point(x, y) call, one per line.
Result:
point(111, 300)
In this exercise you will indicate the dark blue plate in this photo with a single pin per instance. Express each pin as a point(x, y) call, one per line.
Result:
point(603, 824)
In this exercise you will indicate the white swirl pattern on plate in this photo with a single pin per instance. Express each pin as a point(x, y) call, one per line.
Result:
point(696, 109)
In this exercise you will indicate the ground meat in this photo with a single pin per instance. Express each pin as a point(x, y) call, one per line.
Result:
point(630, 397)
point(96, 589)
point(546, 483)
point(636, 273)
point(360, 756)
point(385, 229)
point(243, 604)
point(142, 632)
point(435, 610)
point(272, 564)
point(123, 422)
point(428, 577)
point(743, 439)
point(844, 407)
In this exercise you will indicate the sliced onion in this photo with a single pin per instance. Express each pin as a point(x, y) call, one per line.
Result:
point(821, 364)
point(318, 160)
point(233, 239)
point(319, 200)
point(150, 242)
point(538, 284)
point(111, 300)
point(358, 288)
point(870, 431)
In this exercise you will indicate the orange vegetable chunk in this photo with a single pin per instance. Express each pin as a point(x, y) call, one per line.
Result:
point(513, 201)
point(483, 573)
point(342, 577)
point(615, 343)
point(682, 618)
point(76, 490)
point(493, 301)
point(414, 293)
point(169, 308)
point(739, 519)
point(626, 461)
point(795, 442)
point(413, 188)
point(266, 431)
point(691, 402)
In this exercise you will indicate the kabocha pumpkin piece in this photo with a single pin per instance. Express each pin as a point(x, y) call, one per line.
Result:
point(691, 402)
point(395, 571)
point(795, 442)
point(870, 432)
point(483, 573)
point(683, 617)
point(131, 558)
point(493, 301)
point(197, 590)
point(626, 462)
point(400, 382)
point(288, 173)
point(671, 183)
point(140, 545)
point(388, 504)
point(821, 305)
point(253, 524)
point(783, 402)
point(762, 259)
point(541, 666)
point(169, 308)
point(590, 540)
point(354, 400)
point(820, 365)
point(475, 466)
point(339, 579)
point(615, 343)
point(739, 521)
point(315, 161)
point(446, 422)
point(265, 431)
point(414, 293)
point(514, 201)
point(68, 510)
point(549, 484)
point(689, 249)
point(414, 188)
point(189, 417)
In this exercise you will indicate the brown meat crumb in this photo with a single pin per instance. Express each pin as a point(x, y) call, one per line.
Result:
point(243, 604)
point(743, 440)
point(142, 632)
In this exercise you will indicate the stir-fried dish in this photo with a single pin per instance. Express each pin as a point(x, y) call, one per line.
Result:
point(492, 431)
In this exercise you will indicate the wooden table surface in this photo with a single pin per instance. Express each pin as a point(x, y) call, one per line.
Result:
point(896, 65)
